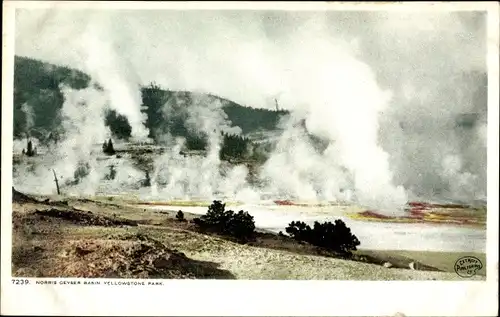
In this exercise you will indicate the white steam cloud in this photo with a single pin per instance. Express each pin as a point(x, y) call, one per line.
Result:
point(383, 90)
point(30, 116)
point(106, 66)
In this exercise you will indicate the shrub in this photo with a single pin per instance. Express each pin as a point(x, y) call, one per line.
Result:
point(240, 225)
point(112, 173)
point(298, 230)
point(180, 216)
point(332, 236)
point(216, 216)
point(198, 222)
point(147, 181)
point(82, 170)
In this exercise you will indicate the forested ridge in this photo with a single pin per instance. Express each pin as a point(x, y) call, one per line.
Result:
point(36, 91)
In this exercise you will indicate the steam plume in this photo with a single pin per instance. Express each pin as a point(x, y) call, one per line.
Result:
point(385, 90)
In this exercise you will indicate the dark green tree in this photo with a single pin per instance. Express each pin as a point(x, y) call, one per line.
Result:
point(81, 171)
point(108, 148)
point(153, 100)
point(147, 181)
point(30, 151)
point(233, 146)
point(112, 173)
point(239, 225)
point(118, 125)
point(335, 236)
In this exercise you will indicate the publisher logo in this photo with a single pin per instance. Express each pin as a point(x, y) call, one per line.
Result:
point(468, 266)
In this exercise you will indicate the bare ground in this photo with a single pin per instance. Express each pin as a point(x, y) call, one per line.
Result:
point(87, 238)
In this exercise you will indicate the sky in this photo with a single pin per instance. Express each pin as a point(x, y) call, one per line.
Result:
point(404, 77)
point(174, 47)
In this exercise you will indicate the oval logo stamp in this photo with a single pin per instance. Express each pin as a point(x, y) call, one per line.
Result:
point(468, 266)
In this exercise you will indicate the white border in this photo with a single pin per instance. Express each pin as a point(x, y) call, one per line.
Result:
point(270, 298)
point(252, 5)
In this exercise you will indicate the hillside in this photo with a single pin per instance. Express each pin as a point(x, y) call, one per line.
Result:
point(36, 84)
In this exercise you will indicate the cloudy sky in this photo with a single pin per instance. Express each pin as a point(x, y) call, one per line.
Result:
point(431, 67)
point(203, 49)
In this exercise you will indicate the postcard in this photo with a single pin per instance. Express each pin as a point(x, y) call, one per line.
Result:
point(257, 159)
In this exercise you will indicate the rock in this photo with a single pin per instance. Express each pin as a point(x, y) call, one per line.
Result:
point(387, 264)
point(412, 266)
point(82, 252)
point(161, 263)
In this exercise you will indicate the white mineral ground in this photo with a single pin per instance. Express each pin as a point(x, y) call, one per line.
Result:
point(389, 236)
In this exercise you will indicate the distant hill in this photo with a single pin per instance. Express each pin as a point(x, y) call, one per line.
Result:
point(36, 84)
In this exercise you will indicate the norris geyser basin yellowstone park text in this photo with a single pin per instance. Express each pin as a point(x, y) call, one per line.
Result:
point(261, 145)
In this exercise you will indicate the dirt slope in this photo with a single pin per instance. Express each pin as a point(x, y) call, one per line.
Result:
point(85, 238)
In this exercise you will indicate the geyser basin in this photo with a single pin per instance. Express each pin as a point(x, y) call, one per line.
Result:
point(380, 235)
